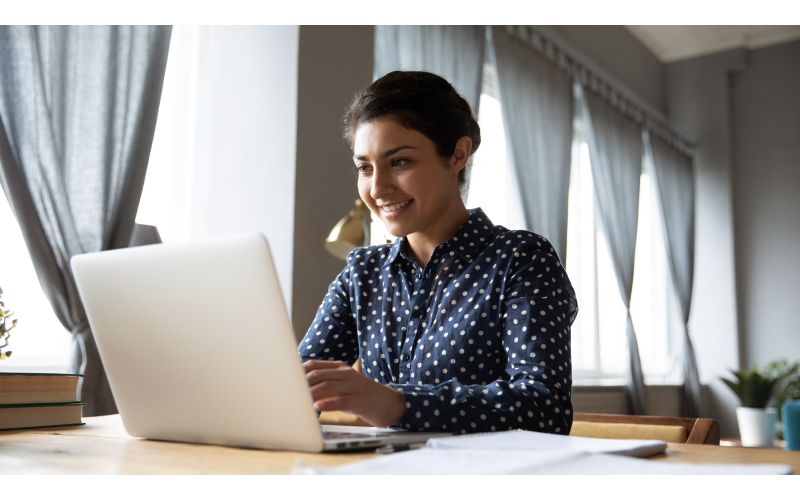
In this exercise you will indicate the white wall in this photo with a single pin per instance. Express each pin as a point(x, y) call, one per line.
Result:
point(766, 182)
point(246, 137)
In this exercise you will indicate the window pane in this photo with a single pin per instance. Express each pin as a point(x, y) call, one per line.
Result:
point(39, 343)
point(654, 319)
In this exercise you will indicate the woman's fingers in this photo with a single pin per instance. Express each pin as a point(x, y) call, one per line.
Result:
point(339, 403)
point(317, 376)
point(314, 364)
point(329, 389)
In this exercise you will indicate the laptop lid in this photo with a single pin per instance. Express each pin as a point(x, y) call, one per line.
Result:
point(197, 344)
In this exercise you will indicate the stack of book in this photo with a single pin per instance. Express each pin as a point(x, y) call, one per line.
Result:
point(30, 400)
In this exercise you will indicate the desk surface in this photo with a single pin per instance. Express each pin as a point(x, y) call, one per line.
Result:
point(103, 447)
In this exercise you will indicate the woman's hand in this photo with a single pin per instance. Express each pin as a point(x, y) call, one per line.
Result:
point(335, 386)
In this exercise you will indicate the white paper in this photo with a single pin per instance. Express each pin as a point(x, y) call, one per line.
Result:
point(539, 441)
point(429, 461)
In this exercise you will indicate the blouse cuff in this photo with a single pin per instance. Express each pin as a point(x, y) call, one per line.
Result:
point(423, 412)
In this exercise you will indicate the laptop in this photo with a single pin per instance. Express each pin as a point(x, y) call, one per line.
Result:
point(197, 346)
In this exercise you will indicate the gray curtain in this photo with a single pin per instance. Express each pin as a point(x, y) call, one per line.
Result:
point(78, 108)
point(537, 102)
point(615, 149)
point(674, 176)
point(453, 52)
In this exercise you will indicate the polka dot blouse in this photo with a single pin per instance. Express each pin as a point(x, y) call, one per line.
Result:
point(478, 340)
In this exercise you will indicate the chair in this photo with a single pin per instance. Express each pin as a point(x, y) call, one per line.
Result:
point(669, 429)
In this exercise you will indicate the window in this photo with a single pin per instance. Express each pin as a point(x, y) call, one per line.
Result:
point(598, 334)
point(491, 172)
point(39, 344)
point(599, 340)
point(653, 307)
point(166, 200)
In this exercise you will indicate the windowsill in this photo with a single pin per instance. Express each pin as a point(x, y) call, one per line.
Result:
point(620, 382)
point(598, 382)
point(35, 364)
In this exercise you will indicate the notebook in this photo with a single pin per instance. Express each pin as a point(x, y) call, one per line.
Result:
point(520, 440)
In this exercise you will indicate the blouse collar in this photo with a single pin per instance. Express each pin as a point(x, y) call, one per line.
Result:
point(467, 242)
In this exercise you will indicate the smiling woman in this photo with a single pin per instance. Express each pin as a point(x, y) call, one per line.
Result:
point(464, 325)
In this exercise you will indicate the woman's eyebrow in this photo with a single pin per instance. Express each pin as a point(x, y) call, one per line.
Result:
point(386, 154)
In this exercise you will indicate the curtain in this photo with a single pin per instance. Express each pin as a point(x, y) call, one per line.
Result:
point(453, 52)
point(78, 108)
point(615, 150)
point(674, 176)
point(536, 99)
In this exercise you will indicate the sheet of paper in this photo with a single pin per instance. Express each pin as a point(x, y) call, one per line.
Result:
point(429, 461)
point(540, 441)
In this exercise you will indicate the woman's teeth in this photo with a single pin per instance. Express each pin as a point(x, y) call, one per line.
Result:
point(392, 208)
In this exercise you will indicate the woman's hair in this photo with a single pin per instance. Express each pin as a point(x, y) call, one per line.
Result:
point(421, 101)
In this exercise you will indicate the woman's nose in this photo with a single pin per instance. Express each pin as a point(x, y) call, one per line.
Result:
point(381, 183)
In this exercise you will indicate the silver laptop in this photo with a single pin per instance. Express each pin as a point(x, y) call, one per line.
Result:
point(197, 346)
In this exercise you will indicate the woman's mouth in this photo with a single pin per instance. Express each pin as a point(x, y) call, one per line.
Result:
point(396, 210)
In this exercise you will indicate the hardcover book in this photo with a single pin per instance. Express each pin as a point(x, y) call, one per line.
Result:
point(31, 416)
point(33, 388)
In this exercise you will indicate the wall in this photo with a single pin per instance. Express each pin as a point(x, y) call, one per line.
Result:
point(334, 63)
point(245, 167)
point(699, 108)
point(615, 54)
point(766, 172)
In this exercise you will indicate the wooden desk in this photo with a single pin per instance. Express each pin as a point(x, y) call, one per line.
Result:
point(103, 447)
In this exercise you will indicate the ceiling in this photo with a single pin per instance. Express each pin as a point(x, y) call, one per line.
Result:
point(672, 43)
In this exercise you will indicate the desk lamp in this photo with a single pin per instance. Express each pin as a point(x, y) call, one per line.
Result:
point(350, 232)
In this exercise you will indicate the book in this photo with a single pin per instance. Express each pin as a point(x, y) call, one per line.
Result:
point(31, 416)
point(34, 388)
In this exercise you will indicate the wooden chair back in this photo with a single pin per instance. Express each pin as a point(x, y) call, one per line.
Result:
point(698, 430)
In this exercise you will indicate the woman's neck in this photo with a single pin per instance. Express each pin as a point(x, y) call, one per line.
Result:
point(422, 243)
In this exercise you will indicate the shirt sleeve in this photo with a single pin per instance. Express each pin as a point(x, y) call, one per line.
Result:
point(534, 393)
point(332, 335)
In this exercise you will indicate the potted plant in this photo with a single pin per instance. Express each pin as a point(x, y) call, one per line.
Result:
point(788, 390)
point(756, 390)
point(5, 329)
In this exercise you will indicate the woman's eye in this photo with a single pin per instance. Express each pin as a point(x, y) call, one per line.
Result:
point(398, 162)
point(363, 169)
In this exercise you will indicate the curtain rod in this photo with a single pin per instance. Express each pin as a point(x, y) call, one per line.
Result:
point(597, 84)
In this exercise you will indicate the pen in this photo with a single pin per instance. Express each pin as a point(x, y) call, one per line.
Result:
point(391, 448)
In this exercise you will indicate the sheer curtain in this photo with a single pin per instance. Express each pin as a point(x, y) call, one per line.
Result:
point(615, 147)
point(453, 52)
point(674, 176)
point(78, 108)
point(536, 99)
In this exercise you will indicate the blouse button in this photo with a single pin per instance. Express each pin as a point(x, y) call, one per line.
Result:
point(405, 357)
point(419, 275)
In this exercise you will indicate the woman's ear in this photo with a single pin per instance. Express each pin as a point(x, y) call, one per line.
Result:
point(461, 154)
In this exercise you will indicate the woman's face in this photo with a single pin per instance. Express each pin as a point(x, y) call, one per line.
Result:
point(401, 178)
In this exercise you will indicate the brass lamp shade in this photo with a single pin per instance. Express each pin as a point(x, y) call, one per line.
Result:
point(349, 233)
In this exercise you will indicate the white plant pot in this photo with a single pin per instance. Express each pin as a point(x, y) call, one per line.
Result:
point(757, 426)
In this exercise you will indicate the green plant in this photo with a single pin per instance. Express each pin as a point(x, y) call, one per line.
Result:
point(789, 390)
point(756, 388)
point(5, 330)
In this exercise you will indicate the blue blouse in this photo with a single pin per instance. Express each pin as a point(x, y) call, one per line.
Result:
point(478, 340)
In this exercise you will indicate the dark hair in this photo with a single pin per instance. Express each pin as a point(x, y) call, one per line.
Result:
point(421, 101)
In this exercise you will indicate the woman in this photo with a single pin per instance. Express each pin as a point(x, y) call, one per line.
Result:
point(464, 325)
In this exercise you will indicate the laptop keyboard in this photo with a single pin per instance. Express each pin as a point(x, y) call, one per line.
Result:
point(352, 435)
